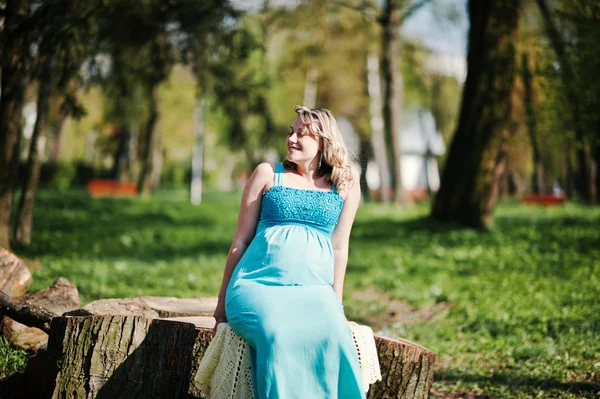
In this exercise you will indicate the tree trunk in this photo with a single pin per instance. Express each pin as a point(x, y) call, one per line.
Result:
point(15, 277)
point(132, 154)
point(310, 87)
point(12, 92)
point(568, 170)
point(469, 182)
point(145, 180)
point(61, 297)
point(538, 171)
point(90, 147)
point(34, 162)
point(57, 136)
point(197, 151)
point(122, 154)
point(363, 160)
point(377, 127)
point(568, 77)
point(597, 160)
point(157, 163)
point(393, 96)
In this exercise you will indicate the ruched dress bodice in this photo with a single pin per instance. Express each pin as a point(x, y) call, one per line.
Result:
point(313, 208)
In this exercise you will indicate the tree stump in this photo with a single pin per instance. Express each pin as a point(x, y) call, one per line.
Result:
point(406, 369)
point(15, 277)
point(154, 306)
point(61, 297)
point(120, 357)
point(131, 356)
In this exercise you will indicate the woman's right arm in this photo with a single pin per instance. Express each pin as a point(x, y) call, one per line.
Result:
point(260, 181)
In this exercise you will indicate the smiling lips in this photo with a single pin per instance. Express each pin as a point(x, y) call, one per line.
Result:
point(291, 147)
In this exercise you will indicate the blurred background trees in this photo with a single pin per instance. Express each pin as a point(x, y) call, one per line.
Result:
point(186, 95)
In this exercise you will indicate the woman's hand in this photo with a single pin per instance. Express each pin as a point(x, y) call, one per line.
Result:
point(220, 316)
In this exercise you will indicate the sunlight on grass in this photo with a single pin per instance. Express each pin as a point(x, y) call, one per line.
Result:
point(510, 313)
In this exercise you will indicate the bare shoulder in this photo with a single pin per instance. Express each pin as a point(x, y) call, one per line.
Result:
point(263, 174)
point(266, 169)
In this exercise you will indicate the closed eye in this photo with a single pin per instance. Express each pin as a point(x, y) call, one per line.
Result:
point(300, 133)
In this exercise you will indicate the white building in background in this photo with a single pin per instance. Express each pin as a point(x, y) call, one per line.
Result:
point(421, 143)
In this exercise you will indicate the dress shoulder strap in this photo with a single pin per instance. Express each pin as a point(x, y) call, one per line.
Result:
point(334, 188)
point(278, 173)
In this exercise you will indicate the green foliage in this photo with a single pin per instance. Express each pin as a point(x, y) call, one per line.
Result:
point(65, 175)
point(62, 175)
point(11, 358)
point(511, 313)
point(303, 39)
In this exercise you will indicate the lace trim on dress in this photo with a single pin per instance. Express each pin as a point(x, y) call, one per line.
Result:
point(225, 372)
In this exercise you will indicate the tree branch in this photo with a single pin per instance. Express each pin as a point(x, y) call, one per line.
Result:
point(411, 10)
point(31, 316)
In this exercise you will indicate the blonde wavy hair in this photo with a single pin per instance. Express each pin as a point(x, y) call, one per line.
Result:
point(337, 161)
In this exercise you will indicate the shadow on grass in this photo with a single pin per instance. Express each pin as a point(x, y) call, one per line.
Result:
point(555, 233)
point(518, 382)
point(76, 226)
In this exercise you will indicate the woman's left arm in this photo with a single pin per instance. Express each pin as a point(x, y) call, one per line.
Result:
point(341, 235)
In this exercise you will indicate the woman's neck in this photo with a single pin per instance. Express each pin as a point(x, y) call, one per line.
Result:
point(308, 170)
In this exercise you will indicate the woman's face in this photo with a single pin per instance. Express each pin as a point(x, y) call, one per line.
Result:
point(301, 144)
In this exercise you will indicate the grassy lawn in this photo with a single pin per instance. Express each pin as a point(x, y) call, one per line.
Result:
point(511, 313)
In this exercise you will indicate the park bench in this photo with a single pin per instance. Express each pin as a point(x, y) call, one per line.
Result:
point(545, 200)
point(111, 188)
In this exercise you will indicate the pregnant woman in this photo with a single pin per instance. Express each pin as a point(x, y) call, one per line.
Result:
point(283, 280)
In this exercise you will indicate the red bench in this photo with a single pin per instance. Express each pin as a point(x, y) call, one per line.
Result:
point(546, 200)
point(111, 188)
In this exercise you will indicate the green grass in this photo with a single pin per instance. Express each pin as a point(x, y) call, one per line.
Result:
point(510, 313)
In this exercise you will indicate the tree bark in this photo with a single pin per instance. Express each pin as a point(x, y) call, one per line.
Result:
point(567, 170)
point(198, 151)
point(34, 163)
point(120, 356)
point(15, 277)
point(538, 171)
point(393, 96)
point(363, 160)
point(406, 370)
point(469, 182)
point(597, 159)
point(122, 154)
point(145, 180)
point(13, 62)
point(377, 127)
point(30, 315)
point(157, 163)
point(568, 77)
point(61, 297)
point(57, 136)
point(310, 87)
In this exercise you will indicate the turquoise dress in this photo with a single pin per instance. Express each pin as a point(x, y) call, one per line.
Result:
point(280, 299)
